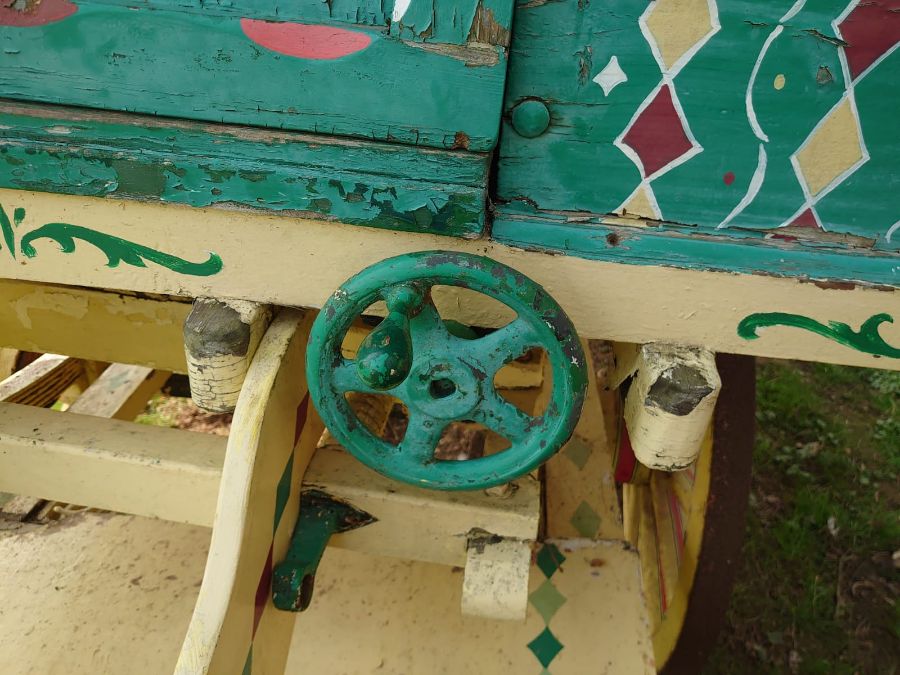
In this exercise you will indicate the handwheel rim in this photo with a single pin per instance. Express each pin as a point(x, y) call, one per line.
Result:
point(526, 298)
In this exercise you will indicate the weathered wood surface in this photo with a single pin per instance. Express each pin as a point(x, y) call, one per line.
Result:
point(40, 383)
point(111, 464)
point(235, 626)
point(93, 324)
point(393, 74)
point(54, 149)
point(293, 261)
point(739, 119)
point(734, 136)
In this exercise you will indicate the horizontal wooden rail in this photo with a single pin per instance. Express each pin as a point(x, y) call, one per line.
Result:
point(174, 475)
point(110, 464)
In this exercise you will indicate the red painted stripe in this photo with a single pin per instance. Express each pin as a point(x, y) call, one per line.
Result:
point(675, 512)
point(263, 593)
point(300, 420)
point(625, 459)
point(44, 12)
point(305, 41)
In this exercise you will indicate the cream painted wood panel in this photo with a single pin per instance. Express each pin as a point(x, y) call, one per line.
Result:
point(97, 594)
point(93, 324)
point(295, 261)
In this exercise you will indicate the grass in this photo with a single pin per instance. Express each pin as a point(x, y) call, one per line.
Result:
point(819, 587)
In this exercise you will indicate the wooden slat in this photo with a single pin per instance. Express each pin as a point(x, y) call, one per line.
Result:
point(121, 392)
point(420, 524)
point(210, 63)
point(42, 382)
point(110, 464)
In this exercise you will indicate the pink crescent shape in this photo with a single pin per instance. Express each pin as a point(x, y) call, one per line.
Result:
point(46, 11)
point(305, 41)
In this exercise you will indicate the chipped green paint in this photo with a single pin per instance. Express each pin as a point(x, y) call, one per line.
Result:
point(867, 339)
point(197, 62)
point(115, 248)
point(320, 516)
point(745, 87)
point(376, 184)
point(440, 376)
point(681, 246)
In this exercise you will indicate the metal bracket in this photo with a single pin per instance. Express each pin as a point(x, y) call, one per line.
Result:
point(320, 517)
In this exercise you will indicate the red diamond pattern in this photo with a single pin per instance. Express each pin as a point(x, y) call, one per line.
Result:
point(870, 30)
point(657, 136)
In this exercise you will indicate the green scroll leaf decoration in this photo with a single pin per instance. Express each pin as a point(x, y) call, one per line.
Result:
point(867, 339)
point(116, 249)
point(7, 230)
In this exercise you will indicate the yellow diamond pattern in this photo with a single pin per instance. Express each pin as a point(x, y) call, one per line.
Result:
point(831, 150)
point(677, 25)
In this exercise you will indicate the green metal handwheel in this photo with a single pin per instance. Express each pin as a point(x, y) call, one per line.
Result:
point(441, 377)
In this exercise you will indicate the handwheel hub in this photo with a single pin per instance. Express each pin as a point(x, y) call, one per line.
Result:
point(446, 389)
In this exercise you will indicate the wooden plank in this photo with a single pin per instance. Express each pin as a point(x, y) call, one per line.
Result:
point(310, 74)
point(628, 303)
point(41, 382)
point(130, 579)
point(418, 524)
point(110, 464)
point(397, 616)
point(121, 392)
point(579, 490)
point(89, 153)
point(618, 240)
point(730, 117)
point(8, 361)
point(111, 327)
point(235, 625)
point(103, 593)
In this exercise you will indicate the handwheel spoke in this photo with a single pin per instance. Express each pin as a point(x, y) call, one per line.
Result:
point(346, 379)
point(422, 435)
point(502, 417)
point(427, 327)
point(505, 344)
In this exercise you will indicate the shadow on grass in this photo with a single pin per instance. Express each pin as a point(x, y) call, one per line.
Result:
point(818, 592)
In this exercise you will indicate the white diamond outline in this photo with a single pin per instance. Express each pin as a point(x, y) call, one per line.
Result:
point(611, 76)
point(809, 200)
point(629, 152)
point(714, 27)
point(668, 75)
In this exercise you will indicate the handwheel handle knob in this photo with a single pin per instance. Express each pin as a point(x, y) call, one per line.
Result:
point(385, 357)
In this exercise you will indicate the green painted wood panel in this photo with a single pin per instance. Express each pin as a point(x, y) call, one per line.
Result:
point(433, 77)
point(731, 116)
point(686, 248)
point(385, 185)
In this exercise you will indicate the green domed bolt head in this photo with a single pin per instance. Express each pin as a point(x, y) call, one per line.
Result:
point(531, 118)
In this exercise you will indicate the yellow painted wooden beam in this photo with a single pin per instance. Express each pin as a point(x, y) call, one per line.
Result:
point(93, 324)
point(300, 262)
point(110, 464)
point(420, 524)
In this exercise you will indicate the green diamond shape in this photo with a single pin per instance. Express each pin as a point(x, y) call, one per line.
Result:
point(545, 647)
point(585, 520)
point(549, 559)
point(547, 600)
point(578, 452)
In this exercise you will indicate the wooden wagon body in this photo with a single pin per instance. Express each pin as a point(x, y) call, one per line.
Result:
point(694, 176)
